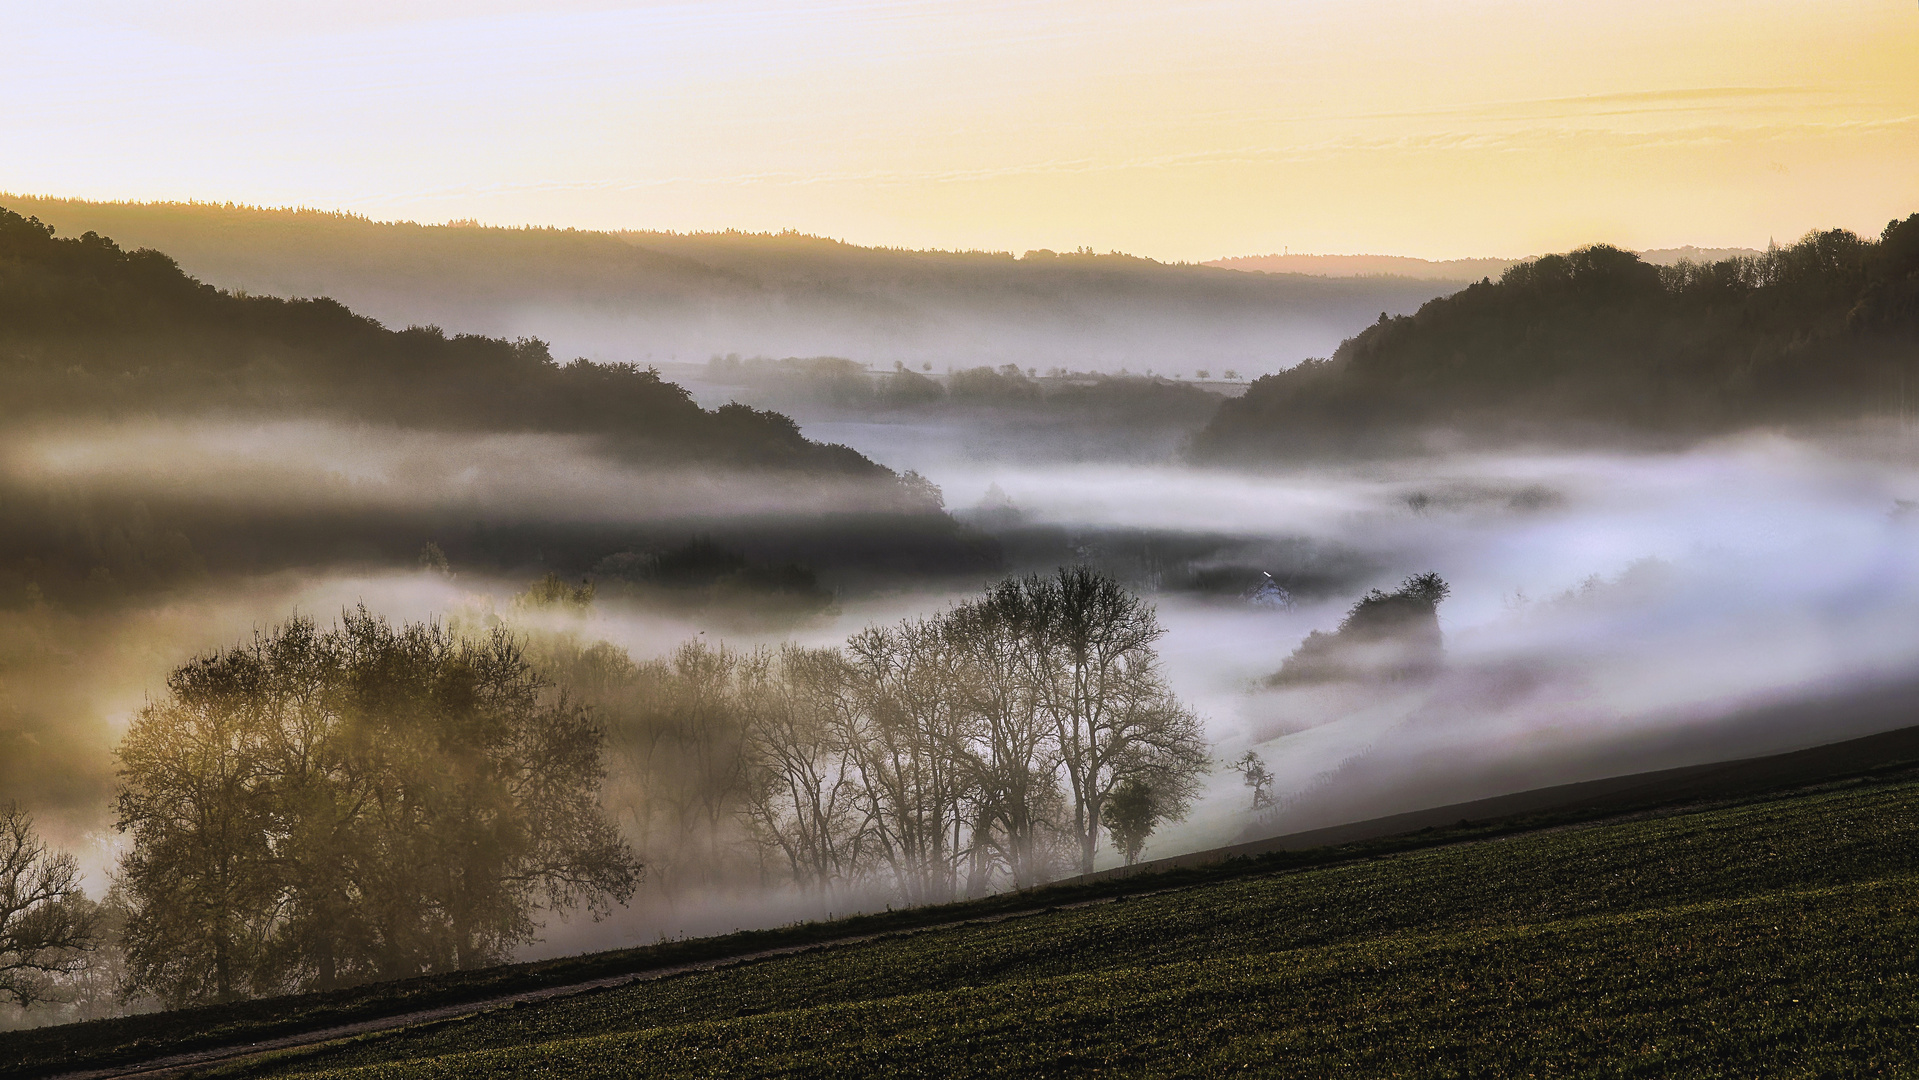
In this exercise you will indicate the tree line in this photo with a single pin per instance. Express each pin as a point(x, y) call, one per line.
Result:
point(982, 748)
point(1123, 400)
point(317, 807)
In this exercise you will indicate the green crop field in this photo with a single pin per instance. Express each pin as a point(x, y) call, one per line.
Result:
point(1775, 938)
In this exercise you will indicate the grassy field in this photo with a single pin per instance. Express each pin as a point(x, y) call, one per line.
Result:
point(1775, 938)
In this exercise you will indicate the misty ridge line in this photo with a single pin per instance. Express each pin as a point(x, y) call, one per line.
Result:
point(1462, 271)
point(96, 333)
point(640, 297)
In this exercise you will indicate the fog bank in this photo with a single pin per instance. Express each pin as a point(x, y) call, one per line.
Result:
point(1610, 613)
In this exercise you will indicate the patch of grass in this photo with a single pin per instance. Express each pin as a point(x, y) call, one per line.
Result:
point(103, 1043)
point(1776, 938)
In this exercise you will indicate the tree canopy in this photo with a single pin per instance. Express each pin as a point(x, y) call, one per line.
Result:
point(320, 807)
point(47, 924)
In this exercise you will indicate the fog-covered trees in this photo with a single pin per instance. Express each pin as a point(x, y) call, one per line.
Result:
point(1090, 661)
point(325, 806)
point(87, 328)
point(47, 925)
point(938, 757)
point(803, 800)
point(366, 802)
point(1386, 635)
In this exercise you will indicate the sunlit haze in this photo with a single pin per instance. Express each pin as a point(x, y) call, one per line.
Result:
point(1174, 130)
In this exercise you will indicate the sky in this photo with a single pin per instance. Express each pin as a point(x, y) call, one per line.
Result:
point(1176, 130)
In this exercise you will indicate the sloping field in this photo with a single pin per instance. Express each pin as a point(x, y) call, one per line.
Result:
point(1774, 938)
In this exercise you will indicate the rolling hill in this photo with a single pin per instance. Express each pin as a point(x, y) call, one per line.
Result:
point(1598, 343)
point(653, 296)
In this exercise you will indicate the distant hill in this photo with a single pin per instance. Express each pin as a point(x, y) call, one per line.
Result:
point(90, 328)
point(1599, 341)
point(98, 340)
point(1454, 270)
point(650, 296)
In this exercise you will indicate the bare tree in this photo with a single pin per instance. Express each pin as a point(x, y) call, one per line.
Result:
point(1091, 661)
point(1257, 777)
point(945, 755)
point(905, 736)
point(804, 796)
point(47, 925)
point(1014, 758)
point(707, 755)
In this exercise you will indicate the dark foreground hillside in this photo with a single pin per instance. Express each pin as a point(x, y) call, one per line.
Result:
point(1773, 938)
point(1597, 342)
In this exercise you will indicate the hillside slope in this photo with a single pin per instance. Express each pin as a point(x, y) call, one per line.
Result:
point(1598, 340)
point(89, 328)
point(1601, 903)
point(1771, 938)
point(640, 296)
point(1462, 271)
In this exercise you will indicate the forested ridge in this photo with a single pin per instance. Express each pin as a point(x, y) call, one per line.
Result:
point(661, 296)
point(668, 267)
point(87, 328)
point(1825, 329)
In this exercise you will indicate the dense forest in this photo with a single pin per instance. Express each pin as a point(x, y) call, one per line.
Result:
point(1597, 339)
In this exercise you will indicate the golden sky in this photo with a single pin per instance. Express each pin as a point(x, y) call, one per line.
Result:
point(1179, 130)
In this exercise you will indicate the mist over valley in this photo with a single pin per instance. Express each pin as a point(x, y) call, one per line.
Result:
point(337, 656)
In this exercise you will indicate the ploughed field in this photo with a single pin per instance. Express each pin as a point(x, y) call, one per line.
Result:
point(1777, 938)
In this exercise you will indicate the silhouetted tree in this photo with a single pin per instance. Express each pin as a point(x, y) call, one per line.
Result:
point(1090, 658)
point(804, 798)
point(1257, 778)
point(1130, 816)
point(47, 925)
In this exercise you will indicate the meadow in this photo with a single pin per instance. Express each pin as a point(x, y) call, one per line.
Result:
point(1770, 938)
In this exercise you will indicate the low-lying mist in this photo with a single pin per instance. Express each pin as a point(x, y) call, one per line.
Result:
point(300, 464)
point(1609, 613)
